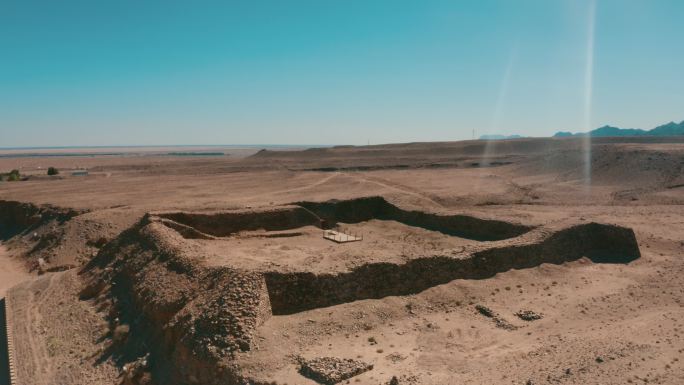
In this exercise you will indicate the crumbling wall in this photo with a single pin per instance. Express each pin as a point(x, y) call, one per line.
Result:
point(186, 316)
point(295, 292)
point(224, 223)
point(328, 214)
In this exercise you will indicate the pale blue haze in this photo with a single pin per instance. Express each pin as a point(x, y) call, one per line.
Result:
point(331, 72)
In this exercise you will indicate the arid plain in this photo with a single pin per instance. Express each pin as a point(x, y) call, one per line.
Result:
point(482, 262)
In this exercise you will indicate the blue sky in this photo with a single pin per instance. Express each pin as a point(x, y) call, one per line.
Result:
point(332, 72)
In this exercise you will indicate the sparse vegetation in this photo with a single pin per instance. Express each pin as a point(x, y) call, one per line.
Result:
point(13, 176)
point(52, 171)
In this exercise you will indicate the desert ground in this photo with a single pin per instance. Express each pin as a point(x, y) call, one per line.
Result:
point(481, 262)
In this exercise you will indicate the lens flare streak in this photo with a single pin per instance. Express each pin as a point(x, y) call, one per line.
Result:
point(588, 93)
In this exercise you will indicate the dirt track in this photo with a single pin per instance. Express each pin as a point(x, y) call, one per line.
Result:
point(11, 271)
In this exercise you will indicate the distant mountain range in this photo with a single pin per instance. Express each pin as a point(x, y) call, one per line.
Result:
point(669, 129)
point(500, 137)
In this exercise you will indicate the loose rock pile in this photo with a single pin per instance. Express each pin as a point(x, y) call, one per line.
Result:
point(331, 370)
point(529, 315)
point(485, 311)
point(500, 321)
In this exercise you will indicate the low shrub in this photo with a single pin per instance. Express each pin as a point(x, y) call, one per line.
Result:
point(13, 176)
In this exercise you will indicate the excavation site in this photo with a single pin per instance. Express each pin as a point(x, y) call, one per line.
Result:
point(201, 287)
point(330, 277)
point(378, 249)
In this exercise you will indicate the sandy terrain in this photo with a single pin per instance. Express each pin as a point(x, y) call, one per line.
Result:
point(307, 247)
point(11, 271)
point(139, 299)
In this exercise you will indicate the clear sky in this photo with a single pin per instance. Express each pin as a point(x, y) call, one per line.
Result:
point(333, 72)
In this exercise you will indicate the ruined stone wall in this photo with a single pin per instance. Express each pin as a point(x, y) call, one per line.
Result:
point(225, 223)
point(294, 292)
point(186, 316)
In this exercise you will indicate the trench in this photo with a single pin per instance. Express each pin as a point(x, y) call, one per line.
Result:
point(16, 217)
point(19, 217)
point(463, 226)
point(222, 224)
point(328, 214)
point(291, 293)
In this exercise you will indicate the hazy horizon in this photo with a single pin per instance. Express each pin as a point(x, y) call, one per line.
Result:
point(82, 74)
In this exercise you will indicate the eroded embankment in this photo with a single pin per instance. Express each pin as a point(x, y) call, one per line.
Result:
point(224, 223)
point(328, 214)
point(37, 233)
point(364, 209)
point(19, 217)
point(185, 316)
point(295, 292)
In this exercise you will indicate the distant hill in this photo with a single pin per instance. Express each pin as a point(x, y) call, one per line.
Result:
point(669, 129)
point(499, 137)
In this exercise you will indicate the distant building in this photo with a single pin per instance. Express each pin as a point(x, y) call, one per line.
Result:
point(79, 173)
